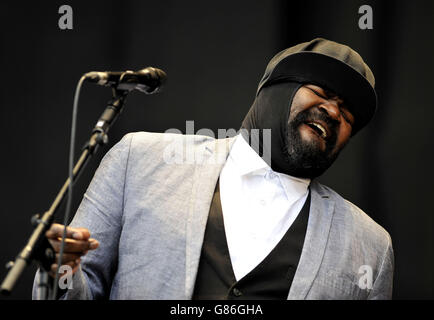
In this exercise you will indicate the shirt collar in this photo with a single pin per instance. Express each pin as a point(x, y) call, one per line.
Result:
point(248, 162)
point(246, 159)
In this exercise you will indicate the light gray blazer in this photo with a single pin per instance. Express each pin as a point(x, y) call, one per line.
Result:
point(149, 215)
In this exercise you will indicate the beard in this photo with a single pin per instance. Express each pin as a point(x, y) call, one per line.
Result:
point(307, 159)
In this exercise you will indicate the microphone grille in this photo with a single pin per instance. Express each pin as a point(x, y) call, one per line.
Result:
point(156, 78)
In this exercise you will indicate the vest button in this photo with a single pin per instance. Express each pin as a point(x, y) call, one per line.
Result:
point(236, 292)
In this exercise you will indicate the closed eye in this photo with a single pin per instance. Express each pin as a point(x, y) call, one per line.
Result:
point(346, 117)
point(317, 93)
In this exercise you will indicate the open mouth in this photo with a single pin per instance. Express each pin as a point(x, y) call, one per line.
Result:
point(319, 129)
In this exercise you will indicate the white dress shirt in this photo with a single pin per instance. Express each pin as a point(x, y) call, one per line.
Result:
point(259, 205)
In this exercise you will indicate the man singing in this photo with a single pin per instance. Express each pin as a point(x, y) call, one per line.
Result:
point(256, 225)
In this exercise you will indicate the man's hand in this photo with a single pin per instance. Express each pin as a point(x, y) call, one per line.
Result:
point(77, 244)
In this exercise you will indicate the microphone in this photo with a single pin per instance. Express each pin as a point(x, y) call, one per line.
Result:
point(149, 80)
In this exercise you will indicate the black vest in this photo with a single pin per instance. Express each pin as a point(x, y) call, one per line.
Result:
point(271, 279)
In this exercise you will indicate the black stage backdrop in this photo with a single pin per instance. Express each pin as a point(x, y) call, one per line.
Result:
point(214, 53)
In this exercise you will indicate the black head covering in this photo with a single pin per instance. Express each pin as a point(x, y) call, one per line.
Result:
point(270, 110)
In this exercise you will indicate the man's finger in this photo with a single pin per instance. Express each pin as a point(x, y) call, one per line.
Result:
point(93, 244)
point(72, 246)
point(56, 231)
point(80, 233)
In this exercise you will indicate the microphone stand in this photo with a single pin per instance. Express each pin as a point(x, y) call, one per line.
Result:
point(38, 248)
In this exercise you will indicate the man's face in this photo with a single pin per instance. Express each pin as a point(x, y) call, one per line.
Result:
point(319, 126)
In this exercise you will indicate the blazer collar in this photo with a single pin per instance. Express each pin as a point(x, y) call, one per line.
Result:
point(206, 173)
point(317, 234)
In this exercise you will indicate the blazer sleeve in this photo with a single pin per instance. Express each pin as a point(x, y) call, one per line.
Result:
point(101, 212)
point(383, 285)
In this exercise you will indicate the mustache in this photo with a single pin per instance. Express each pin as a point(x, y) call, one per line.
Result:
point(313, 114)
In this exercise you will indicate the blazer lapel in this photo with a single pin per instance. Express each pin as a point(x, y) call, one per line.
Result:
point(205, 178)
point(318, 228)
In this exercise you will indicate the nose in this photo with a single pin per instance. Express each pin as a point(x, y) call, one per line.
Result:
point(331, 107)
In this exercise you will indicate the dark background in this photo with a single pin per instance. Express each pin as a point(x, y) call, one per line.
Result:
point(215, 53)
